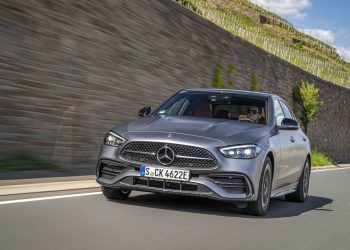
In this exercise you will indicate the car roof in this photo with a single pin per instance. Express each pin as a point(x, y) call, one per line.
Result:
point(244, 92)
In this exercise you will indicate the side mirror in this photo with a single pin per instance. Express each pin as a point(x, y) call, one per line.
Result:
point(288, 124)
point(145, 111)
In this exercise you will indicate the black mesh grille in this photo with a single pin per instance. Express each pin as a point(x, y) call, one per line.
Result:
point(164, 184)
point(232, 183)
point(109, 169)
point(186, 156)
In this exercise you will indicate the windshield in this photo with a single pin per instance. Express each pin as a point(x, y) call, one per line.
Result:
point(230, 106)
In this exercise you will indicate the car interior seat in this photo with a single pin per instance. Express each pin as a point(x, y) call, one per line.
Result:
point(203, 110)
point(223, 114)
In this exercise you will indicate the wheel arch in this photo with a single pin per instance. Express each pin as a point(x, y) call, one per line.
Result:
point(272, 158)
point(309, 158)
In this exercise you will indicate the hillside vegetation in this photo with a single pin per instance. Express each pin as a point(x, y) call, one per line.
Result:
point(275, 35)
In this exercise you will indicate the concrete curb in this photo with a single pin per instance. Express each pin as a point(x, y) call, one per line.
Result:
point(323, 167)
point(47, 187)
point(330, 166)
point(46, 180)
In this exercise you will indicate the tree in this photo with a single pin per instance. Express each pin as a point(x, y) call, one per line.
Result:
point(307, 96)
point(218, 77)
point(255, 83)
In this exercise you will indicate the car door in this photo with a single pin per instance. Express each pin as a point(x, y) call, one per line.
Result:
point(300, 146)
point(287, 149)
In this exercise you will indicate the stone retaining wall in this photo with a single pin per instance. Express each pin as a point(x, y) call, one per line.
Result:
point(70, 70)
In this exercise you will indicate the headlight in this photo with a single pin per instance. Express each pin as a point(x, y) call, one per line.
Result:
point(113, 139)
point(241, 152)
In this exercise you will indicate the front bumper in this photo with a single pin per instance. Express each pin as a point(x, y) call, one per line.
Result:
point(215, 184)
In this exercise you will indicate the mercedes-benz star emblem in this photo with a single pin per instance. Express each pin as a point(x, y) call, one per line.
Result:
point(165, 155)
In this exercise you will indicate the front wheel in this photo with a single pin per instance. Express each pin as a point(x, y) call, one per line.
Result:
point(303, 187)
point(115, 194)
point(260, 206)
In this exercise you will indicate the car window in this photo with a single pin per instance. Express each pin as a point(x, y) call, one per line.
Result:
point(286, 111)
point(177, 107)
point(279, 115)
point(227, 106)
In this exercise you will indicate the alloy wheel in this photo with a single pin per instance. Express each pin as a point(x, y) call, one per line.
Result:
point(306, 178)
point(266, 187)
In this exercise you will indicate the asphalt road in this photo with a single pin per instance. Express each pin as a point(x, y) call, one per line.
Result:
point(150, 221)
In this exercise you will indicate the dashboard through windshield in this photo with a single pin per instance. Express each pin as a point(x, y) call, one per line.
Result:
point(229, 106)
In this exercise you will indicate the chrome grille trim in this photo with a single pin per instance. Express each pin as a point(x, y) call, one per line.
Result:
point(189, 157)
point(193, 157)
point(140, 152)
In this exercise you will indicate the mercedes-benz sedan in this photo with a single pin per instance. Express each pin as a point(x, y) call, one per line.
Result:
point(237, 146)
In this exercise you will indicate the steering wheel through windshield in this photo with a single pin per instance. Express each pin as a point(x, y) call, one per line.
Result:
point(246, 120)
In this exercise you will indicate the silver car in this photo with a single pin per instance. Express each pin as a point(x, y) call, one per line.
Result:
point(238, 146)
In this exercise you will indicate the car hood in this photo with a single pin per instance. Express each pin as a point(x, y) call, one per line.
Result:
point(205, 130)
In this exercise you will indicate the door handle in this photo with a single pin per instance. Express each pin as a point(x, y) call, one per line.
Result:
point(292, 139)
point(304, 139)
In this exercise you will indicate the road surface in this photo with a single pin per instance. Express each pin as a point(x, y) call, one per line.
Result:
point(151, 221)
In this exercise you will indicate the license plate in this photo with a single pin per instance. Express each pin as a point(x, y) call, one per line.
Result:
point(165, 173)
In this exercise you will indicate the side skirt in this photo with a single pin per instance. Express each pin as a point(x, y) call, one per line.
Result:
point(284, 190)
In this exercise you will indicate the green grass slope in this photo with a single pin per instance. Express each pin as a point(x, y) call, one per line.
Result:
point(275, 35)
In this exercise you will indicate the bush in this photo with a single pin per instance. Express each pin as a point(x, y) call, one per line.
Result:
point(298, 45)
point(255, 83)
point(189, 5)
point(218, 77)
point(307, 96)
point(320, 159)
point(25, 161)
point(231, 80)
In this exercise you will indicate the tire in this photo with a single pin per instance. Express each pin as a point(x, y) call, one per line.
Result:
point(115, 194)
point(261, 205)
point(303, 186)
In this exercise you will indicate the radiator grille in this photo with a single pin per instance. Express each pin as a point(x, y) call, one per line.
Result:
point(189, 157)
